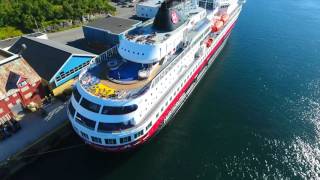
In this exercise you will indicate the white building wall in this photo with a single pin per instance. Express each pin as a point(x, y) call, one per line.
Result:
point(146, 11)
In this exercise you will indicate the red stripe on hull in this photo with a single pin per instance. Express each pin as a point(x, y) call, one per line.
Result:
point(161, 119)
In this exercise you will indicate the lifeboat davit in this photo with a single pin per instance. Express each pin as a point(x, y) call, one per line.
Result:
point(224, 18)
point(217, 26)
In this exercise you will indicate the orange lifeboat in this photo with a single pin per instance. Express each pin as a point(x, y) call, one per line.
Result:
point(217, 26)
point(224, 18)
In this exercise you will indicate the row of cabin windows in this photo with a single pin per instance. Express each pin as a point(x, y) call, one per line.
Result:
point(98, 140)
point(178, 89)
point(113, 141)
point(133, 52)
point(63, 75)
point(175, 92)
point(107, 110)
point(168, 69)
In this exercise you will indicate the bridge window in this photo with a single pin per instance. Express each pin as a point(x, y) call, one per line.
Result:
point(76, 94)
point(119, 110)
point(90, 105)
point(110, 127)
point(85, 121)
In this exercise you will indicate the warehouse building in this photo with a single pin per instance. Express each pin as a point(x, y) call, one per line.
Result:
point(57, 64)
point(106, 32)
point(148, 9)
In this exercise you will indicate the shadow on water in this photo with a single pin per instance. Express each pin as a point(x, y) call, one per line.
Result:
point(80, 163)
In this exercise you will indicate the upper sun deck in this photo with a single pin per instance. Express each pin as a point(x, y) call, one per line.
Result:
point(147, 34)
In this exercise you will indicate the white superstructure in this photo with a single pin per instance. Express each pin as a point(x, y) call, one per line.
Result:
point(131, 91)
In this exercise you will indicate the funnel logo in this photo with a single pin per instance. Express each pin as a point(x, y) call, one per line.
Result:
point(174, 17)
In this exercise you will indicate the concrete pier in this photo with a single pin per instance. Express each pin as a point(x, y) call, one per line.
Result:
point(34, 127)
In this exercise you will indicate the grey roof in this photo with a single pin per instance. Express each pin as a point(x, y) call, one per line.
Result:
point(115, 25)
point(45, 56)
point(8, 42)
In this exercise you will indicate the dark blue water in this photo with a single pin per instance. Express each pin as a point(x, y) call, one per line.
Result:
point(255, 115)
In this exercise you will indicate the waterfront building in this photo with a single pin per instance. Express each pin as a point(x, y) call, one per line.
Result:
point(57, 64)
point(106, 32)
point(20, 85)
point(148, 9)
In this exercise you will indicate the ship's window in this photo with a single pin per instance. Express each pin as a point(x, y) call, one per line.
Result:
point(71, 109)
point(110, 127)
point(90, 105)
point(76, 94)
point(157, 115)
point(125, 139)
point(119, 110)
point(84, 135)
point(110, 141)
point(138, 134)
point(149, 126)
point(142, 54)
point(85, 121)
point(96, 139)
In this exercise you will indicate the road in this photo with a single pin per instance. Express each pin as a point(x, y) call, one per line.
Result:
point(67, 36)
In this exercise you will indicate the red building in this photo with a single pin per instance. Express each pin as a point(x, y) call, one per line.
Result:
point(20, 85)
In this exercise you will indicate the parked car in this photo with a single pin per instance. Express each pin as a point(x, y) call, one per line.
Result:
point(10, 127)
point(2, 133)
point(6, 130)
point(15, 124)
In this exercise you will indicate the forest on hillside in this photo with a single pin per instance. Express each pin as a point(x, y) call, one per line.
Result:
point(25, 15)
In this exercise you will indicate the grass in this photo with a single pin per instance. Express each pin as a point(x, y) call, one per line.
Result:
point(9, 32)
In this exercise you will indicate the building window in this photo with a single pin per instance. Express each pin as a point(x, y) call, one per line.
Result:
point(90, 105)
point(76, 94)
point(23, 83)
point(96, 139)
point(110, 141)
point(24, 89)
point(125, 139)
point(28, 95)
point(85, 121)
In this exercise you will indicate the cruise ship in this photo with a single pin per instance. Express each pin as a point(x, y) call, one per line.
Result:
point(128, 94)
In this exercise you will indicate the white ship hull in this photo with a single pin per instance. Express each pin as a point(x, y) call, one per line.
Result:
point(165, 107)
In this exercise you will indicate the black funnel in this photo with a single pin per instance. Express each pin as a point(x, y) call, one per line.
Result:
point(167, 19)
